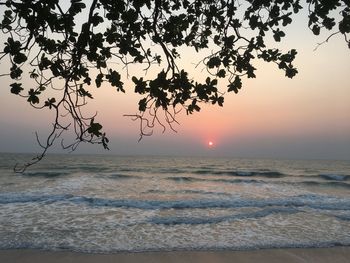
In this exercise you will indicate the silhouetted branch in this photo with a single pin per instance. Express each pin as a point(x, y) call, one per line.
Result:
point(66, 53)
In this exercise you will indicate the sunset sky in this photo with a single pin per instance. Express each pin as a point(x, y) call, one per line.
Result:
point(271, 117)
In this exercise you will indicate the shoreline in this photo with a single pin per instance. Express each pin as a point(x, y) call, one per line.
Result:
point(285, 255)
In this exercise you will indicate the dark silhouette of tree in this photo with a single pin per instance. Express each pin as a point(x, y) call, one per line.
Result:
point(73, 47)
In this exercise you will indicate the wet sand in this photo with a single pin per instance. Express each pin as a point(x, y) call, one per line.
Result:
point(298, 255)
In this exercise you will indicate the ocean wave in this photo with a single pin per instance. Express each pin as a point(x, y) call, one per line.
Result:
point(46, 174)
point(268, 174)
point(185, 179)
point(172, 171)
point(130, 169)
point(343, 217)
point(123, 176)
point(176, 220)
point(93, 168)
point(325, 184)
point(31, 198)
point(311, 201)
point(201, 192)
point(335, 177)
point(239, 181)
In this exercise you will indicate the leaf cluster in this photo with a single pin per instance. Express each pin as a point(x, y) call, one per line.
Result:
point(51, 41)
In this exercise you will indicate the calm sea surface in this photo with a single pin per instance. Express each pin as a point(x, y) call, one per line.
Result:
point(111, 203)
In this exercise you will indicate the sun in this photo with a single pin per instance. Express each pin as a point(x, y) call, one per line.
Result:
point(210, 144)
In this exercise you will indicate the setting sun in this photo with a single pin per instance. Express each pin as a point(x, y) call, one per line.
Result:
point(210, 144)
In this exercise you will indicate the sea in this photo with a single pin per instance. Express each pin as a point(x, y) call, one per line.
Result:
point(110, 204)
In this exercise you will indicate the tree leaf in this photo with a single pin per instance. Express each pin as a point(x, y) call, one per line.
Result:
point(235, 85)
point(33, 98)
point(16, 88)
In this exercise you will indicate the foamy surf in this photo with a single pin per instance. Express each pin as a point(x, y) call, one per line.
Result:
point(111, 204)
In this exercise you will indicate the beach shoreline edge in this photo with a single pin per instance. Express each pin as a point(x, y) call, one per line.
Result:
point(285, 255)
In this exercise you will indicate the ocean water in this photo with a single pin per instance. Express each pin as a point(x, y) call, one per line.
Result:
point(106, 204)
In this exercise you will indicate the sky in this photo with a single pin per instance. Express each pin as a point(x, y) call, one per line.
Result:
point(307, 117)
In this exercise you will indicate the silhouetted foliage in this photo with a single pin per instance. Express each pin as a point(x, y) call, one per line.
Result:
point(73, 46)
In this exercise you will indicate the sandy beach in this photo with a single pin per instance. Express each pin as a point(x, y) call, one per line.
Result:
point(298, 255)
